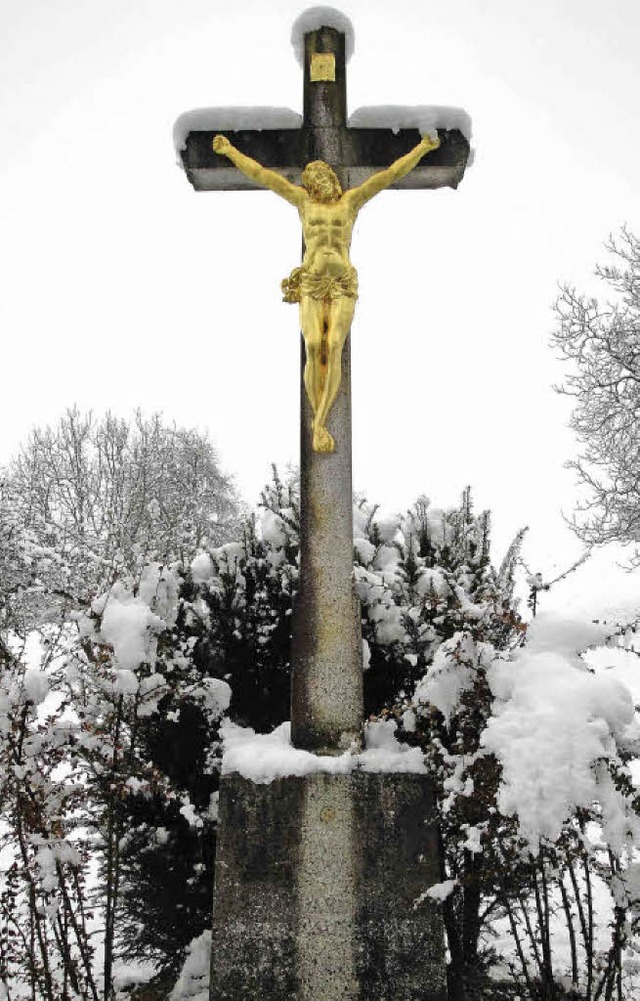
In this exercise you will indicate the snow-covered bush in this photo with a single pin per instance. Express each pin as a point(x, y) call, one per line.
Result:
point(424, 580)
point(564, 736)
point(45, 846)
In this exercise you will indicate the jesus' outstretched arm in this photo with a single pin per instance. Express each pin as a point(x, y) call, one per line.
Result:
point(256, 172)
point(384, 178)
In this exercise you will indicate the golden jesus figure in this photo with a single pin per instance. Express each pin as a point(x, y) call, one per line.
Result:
point(326, 283)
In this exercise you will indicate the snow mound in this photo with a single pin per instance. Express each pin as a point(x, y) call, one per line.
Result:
point(36, 685)
point(440, 891)
point(131, 628)
point(453, 672)
point(216, 696)
point(129, 974)
point(423, 117)
point(321, 17)
point(273, 530)
point(554, 727)
point(193, 982)
point(202, 568)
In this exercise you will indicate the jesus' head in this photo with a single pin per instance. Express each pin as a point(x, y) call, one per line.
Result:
point(321, 182)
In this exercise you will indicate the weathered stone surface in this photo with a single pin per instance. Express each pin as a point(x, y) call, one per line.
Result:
point(316, 879)
point(326, 652)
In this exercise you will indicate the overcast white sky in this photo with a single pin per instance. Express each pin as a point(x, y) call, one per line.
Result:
point(122, 287)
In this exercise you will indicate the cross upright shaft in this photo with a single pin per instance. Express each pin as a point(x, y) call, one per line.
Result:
point(326, 654)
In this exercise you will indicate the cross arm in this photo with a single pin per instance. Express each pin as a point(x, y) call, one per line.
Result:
point(373, 150)
point(276, 149)
point(363, 152)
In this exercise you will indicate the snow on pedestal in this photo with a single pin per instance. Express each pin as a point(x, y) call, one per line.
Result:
point(269, 756)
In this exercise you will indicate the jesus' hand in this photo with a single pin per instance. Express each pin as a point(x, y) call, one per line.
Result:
point(221, 145)
point(430, 141)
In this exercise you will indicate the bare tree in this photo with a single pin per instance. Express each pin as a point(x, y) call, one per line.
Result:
point(103, 495)
point(601, 341)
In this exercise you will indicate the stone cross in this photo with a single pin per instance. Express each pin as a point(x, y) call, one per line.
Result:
point(317, 874)
point(326, 703)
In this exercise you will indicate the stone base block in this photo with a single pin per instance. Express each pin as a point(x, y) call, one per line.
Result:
point(316, 883)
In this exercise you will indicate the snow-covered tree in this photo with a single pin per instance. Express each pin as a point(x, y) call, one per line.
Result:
point(45, 916)
point(104, 495)
point(600, 339)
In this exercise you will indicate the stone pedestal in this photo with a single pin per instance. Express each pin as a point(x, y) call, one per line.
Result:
point(316, 879)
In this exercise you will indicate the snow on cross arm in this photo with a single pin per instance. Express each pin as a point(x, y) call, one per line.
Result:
point(426, 118)
point(232, 119)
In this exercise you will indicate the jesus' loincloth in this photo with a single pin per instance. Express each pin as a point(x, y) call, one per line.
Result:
point(319, 286)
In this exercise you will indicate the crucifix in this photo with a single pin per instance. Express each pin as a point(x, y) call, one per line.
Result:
point(326, 709)
point(326, 284)
point(316, 873)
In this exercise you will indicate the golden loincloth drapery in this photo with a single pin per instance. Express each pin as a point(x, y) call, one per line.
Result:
point(320, 286)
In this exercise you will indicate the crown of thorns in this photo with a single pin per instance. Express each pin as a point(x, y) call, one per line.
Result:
point(311, 171)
